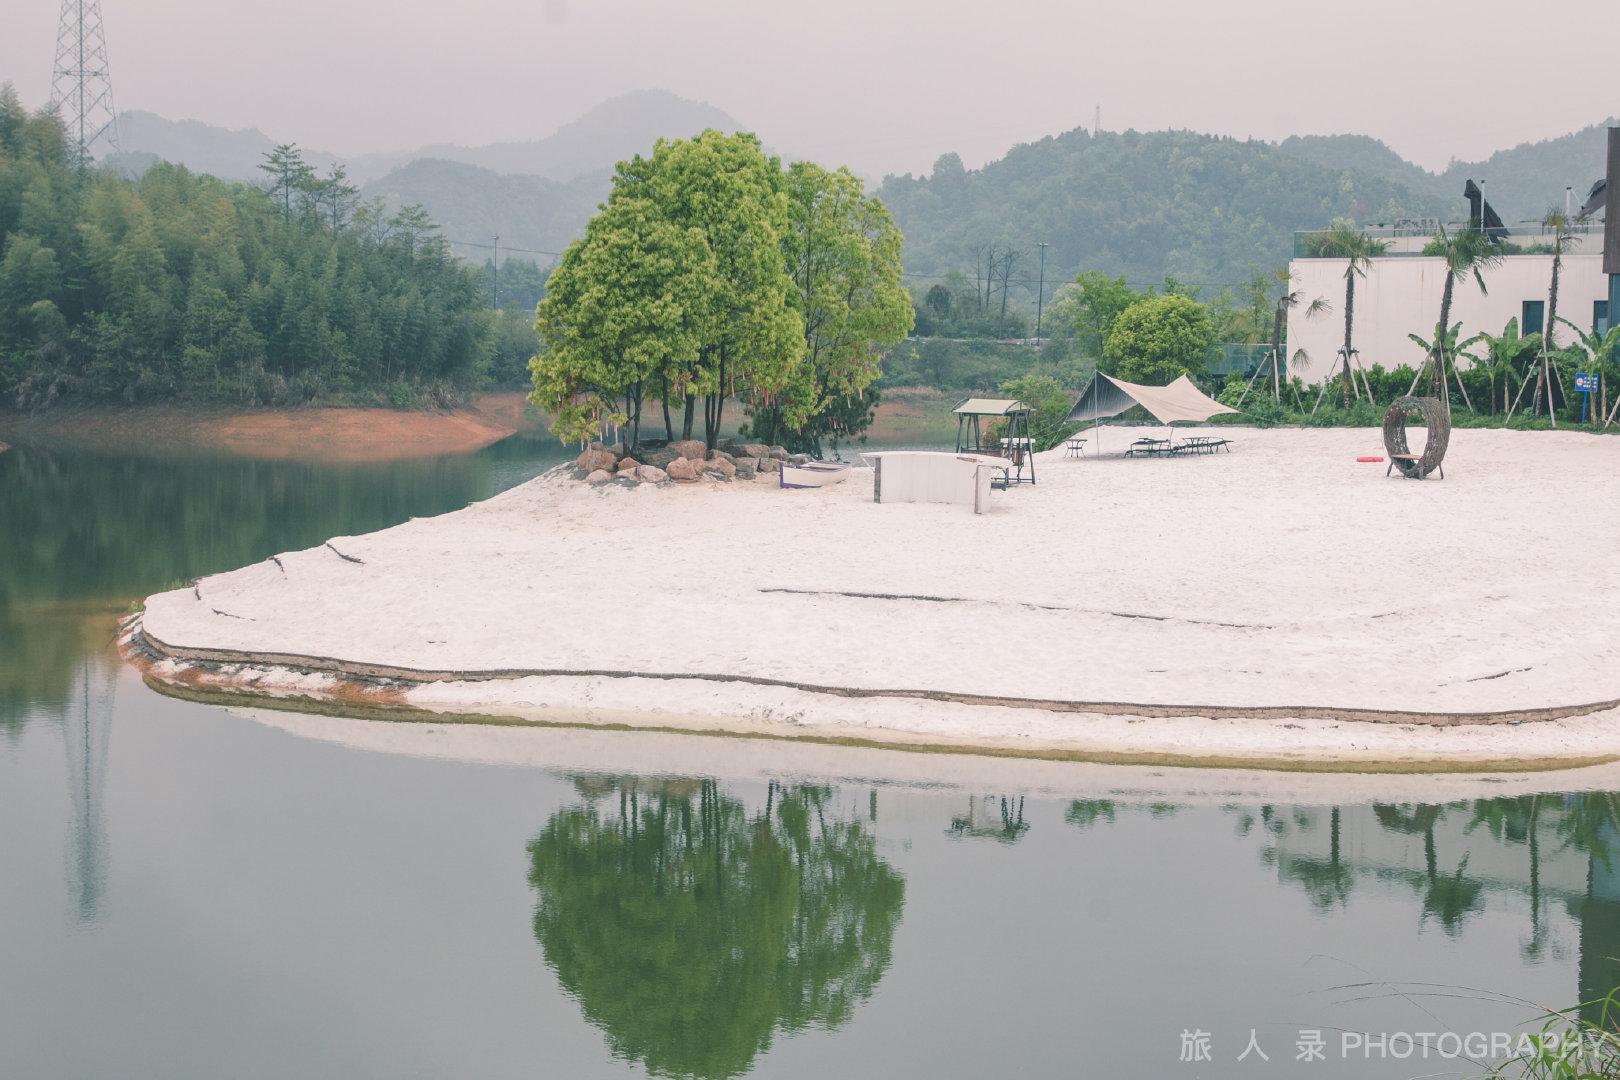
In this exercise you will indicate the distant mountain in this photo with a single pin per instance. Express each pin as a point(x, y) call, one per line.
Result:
point(1142, 204)
point(1521, 183)
point(611, 132)
point(472, 204)
point(205, 148)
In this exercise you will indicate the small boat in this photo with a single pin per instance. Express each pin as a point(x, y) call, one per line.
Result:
point(814, 474)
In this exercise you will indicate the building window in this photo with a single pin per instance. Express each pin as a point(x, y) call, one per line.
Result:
point(1533, 318)
point(1600, 316)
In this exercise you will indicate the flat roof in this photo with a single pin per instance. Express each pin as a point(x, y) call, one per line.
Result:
point(979, 406)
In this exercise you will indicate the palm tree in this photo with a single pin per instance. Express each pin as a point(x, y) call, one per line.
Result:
point(1502, 355)
point(1472, 252)
point(1343, 240)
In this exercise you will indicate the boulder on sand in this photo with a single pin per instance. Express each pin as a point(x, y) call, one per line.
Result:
point(690, 449)
point(629, 464)
point(751, 450)
point(682, 469)
point(651, 474)
point(660, 457)
point(592, 460)
point(600, 476)
point(720, 467)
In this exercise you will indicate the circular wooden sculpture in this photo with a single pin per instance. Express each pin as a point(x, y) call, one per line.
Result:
point(1433, 411)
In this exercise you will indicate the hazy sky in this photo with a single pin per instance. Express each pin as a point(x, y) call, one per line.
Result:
point(881, 85)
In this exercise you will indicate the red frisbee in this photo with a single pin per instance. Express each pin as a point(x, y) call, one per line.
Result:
point(1369, 458)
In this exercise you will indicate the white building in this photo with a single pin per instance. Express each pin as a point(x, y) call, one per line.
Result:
point(1401, 295)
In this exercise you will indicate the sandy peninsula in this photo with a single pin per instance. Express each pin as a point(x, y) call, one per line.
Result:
point(1282, 604)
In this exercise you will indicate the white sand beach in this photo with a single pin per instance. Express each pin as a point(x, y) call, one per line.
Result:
point(1264, 603)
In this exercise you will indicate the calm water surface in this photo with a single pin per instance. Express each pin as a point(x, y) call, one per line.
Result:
point(185, 892)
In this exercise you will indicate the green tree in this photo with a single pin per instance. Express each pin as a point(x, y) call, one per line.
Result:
point(1093, 304)
point(1049, 403)
point(1158, 339)
point(288, 176)
point(725, 190)
point(843, 254)
point(630, 299)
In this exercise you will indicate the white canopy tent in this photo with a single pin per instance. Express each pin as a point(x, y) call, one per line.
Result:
point(1181, 400)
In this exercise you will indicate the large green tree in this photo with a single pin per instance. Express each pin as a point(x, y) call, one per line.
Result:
point(1158, 339)
point(725, 190)
point(627, 303)
point(843, 254)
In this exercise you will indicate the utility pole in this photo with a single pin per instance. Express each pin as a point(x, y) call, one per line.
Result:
point(495, 277)
point(81, 84)
point(1096, 121)
point(1040, 294)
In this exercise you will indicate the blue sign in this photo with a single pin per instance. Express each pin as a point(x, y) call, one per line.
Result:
point(1586, 383)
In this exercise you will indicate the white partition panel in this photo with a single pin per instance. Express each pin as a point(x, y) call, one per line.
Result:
point(934, 477)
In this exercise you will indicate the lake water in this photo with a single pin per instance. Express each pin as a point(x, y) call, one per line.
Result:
point(190, 891)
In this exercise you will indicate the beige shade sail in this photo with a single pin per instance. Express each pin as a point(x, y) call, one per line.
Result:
point(1181, 400)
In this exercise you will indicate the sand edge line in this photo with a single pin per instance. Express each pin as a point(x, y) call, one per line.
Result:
point(298, 662)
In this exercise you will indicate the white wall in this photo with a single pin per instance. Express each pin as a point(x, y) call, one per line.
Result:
point(1401, 295)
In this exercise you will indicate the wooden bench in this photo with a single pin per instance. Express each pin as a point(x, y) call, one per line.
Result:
point(1393, 458)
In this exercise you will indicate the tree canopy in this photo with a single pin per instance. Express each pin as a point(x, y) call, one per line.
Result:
point(712, 273)
point(1158, 339)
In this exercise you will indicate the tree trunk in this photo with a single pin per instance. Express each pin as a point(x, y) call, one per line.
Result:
point(1276, 354)
point(691, 408)
point(1349, 323)
point(669, 428)
point(1439, 381)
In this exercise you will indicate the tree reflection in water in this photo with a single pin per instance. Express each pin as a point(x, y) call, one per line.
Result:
point(691, 929)
point(1545, 849)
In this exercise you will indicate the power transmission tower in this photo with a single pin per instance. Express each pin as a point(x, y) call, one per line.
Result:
point(1040, 295)
point(81, 84)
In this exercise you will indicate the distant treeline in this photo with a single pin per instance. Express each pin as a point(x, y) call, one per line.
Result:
point(179, 287)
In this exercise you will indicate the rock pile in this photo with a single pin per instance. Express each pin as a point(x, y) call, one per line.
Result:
point(683, 461)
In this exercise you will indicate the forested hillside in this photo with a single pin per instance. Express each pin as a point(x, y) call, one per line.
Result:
point(1521, 183)
point(1144, 205)
point(184, 287)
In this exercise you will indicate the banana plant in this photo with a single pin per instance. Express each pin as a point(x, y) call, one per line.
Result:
point(1437, 350)
point(1604, 349)
point(1501, 356)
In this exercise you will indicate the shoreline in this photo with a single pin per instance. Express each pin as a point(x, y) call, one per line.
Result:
point(347, 434)
point(1186, 737)
point(1280, 605)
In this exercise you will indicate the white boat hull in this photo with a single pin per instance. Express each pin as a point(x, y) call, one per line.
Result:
point(814, 474)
